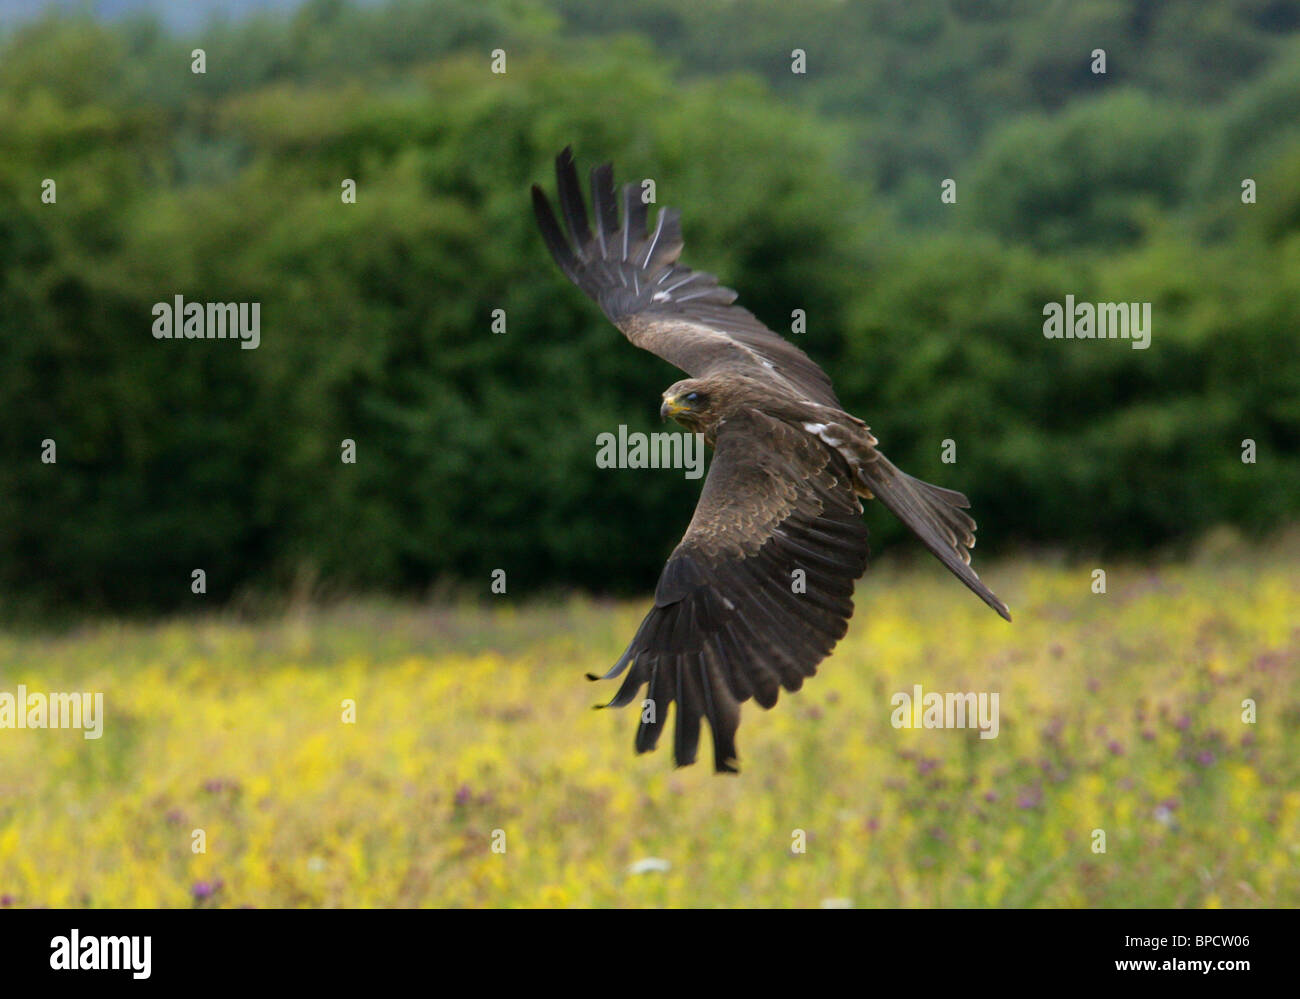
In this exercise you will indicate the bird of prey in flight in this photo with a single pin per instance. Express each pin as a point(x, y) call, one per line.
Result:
point(783, 491)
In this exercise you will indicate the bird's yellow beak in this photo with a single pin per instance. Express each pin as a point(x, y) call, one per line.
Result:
point(672, 407)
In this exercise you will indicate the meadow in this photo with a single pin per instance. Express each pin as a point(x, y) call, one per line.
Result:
point(1120, 712)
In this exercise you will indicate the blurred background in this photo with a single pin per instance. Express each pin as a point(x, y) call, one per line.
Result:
point(346, 728)
point(816, 191)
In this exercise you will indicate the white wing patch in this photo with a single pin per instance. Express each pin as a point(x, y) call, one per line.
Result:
point(822, 431)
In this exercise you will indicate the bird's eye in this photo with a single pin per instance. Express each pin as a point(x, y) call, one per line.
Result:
point(692, 397)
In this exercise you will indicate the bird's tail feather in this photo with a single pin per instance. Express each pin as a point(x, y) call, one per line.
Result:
point(935, 515)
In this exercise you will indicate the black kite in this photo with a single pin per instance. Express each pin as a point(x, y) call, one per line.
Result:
point(782, 491)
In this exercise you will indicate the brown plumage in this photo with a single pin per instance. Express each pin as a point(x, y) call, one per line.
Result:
point(782, 493)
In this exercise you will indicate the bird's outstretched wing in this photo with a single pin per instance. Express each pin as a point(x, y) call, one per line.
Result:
point(686, 318)
point(756, 594)
point(681, 315)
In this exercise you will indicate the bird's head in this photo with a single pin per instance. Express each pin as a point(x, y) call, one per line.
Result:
point(690, 403)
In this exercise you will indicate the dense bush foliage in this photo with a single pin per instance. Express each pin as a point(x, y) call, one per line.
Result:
point(476, 450)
